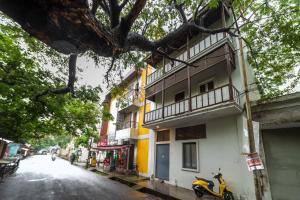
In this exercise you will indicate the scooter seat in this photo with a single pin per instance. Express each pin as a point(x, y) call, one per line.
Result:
point(210, 183)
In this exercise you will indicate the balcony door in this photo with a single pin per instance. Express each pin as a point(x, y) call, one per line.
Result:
point(206, 87)
point(179, 96)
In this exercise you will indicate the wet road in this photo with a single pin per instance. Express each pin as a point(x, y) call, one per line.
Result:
point(39, 178)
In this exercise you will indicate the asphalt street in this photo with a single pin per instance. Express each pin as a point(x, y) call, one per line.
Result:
point(40, 178)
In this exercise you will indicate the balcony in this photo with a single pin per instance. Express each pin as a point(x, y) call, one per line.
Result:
point(127, 130)
point(219, 102)
point(203, 47)
point(129, 102)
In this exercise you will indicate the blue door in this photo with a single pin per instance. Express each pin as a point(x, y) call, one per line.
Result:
point(162, 161)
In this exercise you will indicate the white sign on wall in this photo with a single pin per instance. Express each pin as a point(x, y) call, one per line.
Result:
point(245, 137)
point(256, 135)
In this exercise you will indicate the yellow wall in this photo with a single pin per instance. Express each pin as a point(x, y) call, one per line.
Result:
point(143, 80)
point(143, 130)
point(142, 155)
point(143, 144)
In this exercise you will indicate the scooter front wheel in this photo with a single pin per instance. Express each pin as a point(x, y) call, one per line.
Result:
point(199, 194)
point(228, 196)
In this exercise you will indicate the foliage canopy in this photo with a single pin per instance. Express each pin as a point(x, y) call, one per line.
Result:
point(22, 78)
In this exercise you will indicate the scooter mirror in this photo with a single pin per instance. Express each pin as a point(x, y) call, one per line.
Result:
point(219, 169)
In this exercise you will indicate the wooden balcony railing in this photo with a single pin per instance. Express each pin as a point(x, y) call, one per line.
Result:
point(203, 100)
point(195, 51)
point(153, 115)
point(125, 125)
point(176, 108)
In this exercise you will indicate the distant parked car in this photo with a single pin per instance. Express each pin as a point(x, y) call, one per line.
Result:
point(43, 152)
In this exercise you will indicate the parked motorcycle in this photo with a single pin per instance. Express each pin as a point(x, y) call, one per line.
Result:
point(203, 186)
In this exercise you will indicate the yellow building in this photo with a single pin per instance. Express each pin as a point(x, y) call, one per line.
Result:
point(127, 143)
point(143, 133)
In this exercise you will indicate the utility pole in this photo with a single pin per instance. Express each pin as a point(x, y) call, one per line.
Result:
point(249, 119)
point(248, 111)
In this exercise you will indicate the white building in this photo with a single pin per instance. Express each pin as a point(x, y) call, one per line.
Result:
point(197, 113)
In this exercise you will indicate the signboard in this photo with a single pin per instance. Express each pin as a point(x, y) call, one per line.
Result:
point(103, 142)
point(254, 162)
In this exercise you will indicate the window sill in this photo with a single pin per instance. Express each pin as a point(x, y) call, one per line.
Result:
point(190, 170)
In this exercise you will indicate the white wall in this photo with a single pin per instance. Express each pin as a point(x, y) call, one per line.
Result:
point(151, 153)
point(221, 149)
point(112, 124)
point(237, 75)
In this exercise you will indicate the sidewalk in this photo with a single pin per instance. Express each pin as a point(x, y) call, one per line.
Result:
point(157, 188)
point(170, 190)
point(154, 187)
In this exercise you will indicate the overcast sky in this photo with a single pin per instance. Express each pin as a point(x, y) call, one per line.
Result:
point(91, 75)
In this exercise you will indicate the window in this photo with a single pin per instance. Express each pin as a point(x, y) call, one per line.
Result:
point(202, 88)
point(191, 132)
point(206, 87)
point(163, 136)
point(179, 96)
point(210, 85)
point(189, 151)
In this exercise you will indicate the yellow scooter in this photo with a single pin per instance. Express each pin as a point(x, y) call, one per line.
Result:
point(202, 186)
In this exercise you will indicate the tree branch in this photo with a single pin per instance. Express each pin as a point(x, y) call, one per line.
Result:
point(123, 4)
point(94, 7)
point(147, 24)
point(197, 10)
point(133, 14)
point(174, 59)
point(70, 27)
point(104, 7)
point(139, 42)
point(179, 8)
point(109, 70)
point(71, 80)
point(114, 13)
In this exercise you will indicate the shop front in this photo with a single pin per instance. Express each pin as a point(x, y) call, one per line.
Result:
point(117, 158)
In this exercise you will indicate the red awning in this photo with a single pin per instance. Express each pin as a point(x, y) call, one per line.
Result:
point(112, 147)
